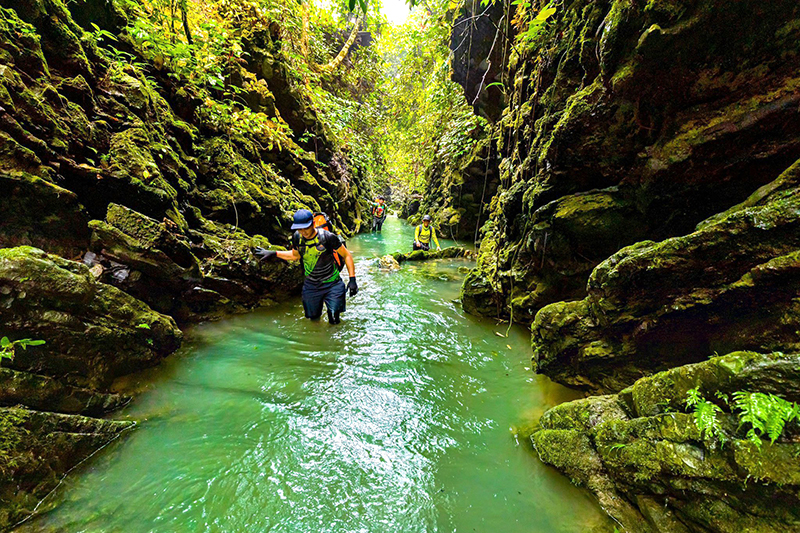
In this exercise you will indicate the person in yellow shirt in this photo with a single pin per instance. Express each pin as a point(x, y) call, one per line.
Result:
point(424, 234)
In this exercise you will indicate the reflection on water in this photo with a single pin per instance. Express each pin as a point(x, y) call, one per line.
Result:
point(396, 420)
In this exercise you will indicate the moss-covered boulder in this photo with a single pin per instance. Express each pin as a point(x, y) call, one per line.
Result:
point(39, 213)
point(654, 470)
point(94, 332)
point(450, 252)
point(732, 284)
point(38, 448)
point(45, 393)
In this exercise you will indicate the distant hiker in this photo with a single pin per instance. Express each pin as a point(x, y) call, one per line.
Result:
point(423, 235)
point(378, 214)
point(322, 253)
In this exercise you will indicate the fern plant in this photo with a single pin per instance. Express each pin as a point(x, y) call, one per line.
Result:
point(767, 414)
point(705, 415)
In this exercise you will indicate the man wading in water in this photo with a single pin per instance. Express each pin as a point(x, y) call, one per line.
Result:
point(322, 253)
point(424, 234)
point(378, 214)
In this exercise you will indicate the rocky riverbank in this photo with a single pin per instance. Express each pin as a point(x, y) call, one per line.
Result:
point(654, 470)
point(645, 222)
point(131, 199)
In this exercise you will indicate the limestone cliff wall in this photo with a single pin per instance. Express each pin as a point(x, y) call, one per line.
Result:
point(631, 121)
point(132, 162)
point(644, 223)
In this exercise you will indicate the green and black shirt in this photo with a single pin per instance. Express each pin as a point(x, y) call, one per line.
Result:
point(317, 253)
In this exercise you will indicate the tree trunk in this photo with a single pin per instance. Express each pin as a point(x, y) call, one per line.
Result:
point(346, 48)
point(185, 20)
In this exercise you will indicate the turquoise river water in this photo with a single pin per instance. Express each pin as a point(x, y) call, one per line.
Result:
point(398, 420)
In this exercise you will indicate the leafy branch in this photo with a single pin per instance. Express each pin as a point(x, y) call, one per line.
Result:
point(8, 347)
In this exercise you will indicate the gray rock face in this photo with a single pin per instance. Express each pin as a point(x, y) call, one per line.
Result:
point(480, 43)
point(730, 285)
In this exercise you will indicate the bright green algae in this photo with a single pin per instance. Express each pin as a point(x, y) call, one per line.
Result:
point(397, 420)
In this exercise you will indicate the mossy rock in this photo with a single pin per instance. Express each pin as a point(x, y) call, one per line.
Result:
point(730, 285)
point(38, 448)
point(641, 447)
point(93, 332)
point(450, 252)
point(42, 214)
point(587, 166)
point(44, 393)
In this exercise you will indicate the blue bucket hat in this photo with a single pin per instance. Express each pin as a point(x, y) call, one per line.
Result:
point(303, 218)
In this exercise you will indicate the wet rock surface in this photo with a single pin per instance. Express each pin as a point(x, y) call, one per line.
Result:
point(458, 193)
point(627, 122)
point(450, 252)
point(36, 450)
point(653, 470)
point(94, 332)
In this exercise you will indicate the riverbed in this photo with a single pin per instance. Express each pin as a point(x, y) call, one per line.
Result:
point(401, 419)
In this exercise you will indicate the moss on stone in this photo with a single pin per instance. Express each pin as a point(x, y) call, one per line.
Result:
point(638, 444)
point(89, 327)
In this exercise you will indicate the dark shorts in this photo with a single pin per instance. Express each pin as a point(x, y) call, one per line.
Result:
point(422, 246)
point(332, 294)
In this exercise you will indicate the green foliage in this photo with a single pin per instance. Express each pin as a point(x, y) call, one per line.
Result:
point(766, 414)
point(705, 415)
point(532, 25)
point(428, 120)
point(8, 347)
point(390, 107)
point(11, 433)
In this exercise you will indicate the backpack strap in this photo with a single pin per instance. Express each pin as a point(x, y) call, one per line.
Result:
point(298, 243)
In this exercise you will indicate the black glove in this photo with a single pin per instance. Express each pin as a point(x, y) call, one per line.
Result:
point(353, 286)
point(264, 254)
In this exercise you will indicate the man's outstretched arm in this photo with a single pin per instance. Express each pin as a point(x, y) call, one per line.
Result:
point(286, 255)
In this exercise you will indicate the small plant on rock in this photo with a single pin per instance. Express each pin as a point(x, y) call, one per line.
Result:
point(8, 347)
point(705, 415)
point(767, 414)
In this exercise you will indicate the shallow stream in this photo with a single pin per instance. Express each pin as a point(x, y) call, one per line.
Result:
point(398, 420)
